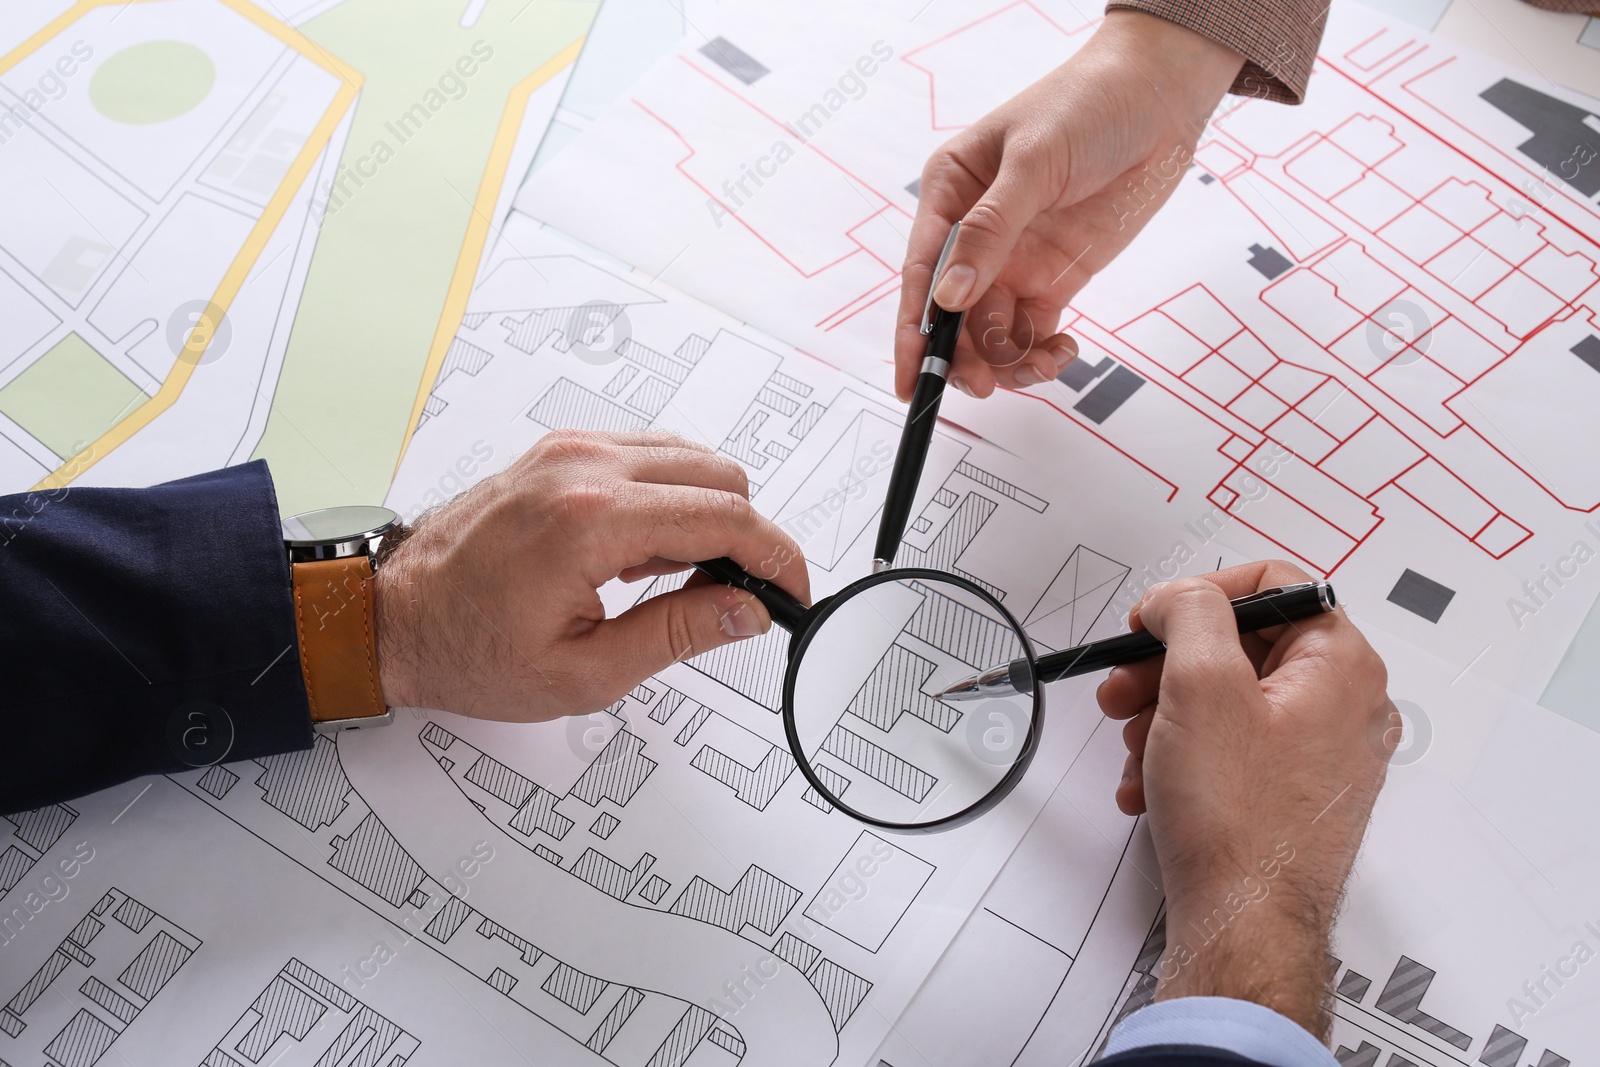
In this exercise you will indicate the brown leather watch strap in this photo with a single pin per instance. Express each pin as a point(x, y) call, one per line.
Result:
point(333, 612)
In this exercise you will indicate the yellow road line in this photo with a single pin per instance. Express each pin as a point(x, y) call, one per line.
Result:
point(51, 30)
point(477, 236)
point(294, 39)
point(243, 262)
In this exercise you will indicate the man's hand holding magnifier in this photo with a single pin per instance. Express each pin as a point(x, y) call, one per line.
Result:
point(490, 606)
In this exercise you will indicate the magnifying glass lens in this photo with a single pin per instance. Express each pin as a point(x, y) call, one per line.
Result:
point(864, 711)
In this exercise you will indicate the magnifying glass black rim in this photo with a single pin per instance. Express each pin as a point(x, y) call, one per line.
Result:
point(797, 652)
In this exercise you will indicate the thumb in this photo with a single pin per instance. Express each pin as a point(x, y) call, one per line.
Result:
point(662, 630)
point(989, 232)
point(1206, 667)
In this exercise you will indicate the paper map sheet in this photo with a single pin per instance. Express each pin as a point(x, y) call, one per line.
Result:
point(1362, 334)
point(653, 884)
point(1447, 402)
point(313, 184)
point(1465, 938)
point(619, 888)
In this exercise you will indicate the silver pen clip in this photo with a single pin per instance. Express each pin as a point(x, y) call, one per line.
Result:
point(938, 272)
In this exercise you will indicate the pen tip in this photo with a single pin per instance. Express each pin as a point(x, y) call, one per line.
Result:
point(959, 691)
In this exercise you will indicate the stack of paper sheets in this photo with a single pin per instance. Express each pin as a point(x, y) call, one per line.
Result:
point(654, 885)
point(1241, 360)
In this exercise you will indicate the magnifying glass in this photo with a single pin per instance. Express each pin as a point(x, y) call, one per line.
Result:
point(862, 694)
point(913, 700)
point(861, 708)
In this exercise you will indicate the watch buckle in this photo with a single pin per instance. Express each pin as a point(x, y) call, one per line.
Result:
point(331, 727)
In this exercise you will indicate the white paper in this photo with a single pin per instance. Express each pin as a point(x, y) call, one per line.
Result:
point(1269, 404)
point(1475, 869)
point(650, 865)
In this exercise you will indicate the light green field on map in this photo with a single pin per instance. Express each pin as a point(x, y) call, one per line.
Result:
point(387, 253)
point(153, 81)
point(70, 395)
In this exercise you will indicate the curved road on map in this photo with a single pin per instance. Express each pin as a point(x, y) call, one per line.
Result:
point(570, 919)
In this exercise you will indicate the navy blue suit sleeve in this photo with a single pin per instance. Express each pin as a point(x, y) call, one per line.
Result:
point(1176, 1056)
point(144, 631)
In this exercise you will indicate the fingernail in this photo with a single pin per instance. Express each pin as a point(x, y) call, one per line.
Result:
point(1063, 348)
point(1029, 376)
point(1148, 593)
point(954, 286)
point(739, 617)
point(964, 387)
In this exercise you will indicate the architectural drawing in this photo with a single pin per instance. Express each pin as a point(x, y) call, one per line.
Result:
point(1341, 352)
point(311, 1020)
point(93, 984)
point(1389, 1030)
point(1361, 336)
point(616, 882)
point(817, 451)
point(28, 835)
point(1342, 324)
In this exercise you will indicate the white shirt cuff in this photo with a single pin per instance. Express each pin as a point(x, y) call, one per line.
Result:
point(1237, 1026)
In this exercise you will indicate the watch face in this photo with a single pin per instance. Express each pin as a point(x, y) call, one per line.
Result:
point(336, 525)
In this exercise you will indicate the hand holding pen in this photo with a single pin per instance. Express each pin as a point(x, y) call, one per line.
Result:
point(1257, 611)
point(943, 330)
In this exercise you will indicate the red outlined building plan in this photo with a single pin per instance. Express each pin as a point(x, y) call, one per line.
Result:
point(1363, 335)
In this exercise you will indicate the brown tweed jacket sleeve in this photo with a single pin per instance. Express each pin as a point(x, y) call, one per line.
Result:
point(1278, 38)
point(1571, 7)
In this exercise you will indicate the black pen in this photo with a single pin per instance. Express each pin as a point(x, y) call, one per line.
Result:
point(942, 329)
point(1269, 607)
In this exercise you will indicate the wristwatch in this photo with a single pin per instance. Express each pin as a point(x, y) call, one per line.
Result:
point(332, 557)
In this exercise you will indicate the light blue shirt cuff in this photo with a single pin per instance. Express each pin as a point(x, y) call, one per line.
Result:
point(1237, 1026)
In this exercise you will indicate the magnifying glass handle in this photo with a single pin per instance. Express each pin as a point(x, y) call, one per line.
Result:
point(786, 610)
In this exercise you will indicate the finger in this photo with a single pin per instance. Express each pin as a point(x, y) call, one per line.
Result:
point(642, 521)
point(652, 439)
point(972, 368)
point(623, 439)
point(658, 567)
point(674, 465)
point(599, 453)
point(1130, 688)
point(948, 188)
point(653, 569)
point(993, 326)
point(1258, 649)
point(1269, 648)
point(1062, 349)
point(1029, 352)
point(1205, 663)
point(1034, 334)
point(658, 632)
point(1253, 577)
point(990, 230)
point(1136, 731)
point(969, 373)
point(1130, 791)
point(1236, 582)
